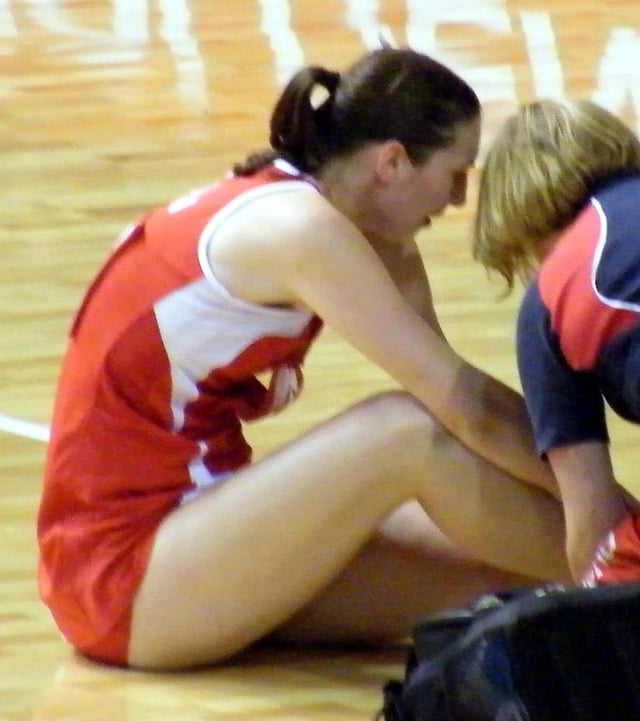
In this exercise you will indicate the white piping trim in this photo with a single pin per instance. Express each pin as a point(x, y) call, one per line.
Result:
point(597, 256)
point(206, 237)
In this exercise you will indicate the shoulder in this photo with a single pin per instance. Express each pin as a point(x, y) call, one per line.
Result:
point(291, 223)
point(569, 264)
point(273, 237)
point(618, 194)
point(274, 208)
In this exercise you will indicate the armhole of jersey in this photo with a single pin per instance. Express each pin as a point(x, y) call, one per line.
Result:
point(207, 236)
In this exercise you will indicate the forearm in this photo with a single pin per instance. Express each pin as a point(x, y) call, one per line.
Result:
point(594, 503)
point(497, 427)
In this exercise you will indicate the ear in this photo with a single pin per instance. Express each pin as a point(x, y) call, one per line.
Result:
point(392, 161)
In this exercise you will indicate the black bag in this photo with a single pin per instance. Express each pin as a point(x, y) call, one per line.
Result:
point(547, 654)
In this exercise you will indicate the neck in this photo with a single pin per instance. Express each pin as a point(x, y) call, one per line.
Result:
point(349, 185)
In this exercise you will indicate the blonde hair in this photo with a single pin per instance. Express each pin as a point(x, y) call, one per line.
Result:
point(539, 172)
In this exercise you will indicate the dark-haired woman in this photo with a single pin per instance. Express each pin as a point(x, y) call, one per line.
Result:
point(162, 544)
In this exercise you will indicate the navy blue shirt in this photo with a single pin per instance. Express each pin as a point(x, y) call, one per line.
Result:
point(578, 333)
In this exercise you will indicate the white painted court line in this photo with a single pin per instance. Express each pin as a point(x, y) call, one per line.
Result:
point(26, 429)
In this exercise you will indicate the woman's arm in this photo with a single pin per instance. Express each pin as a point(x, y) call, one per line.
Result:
point(345, 282)
point(310, 255)
point(404, 264)
point(593, 501)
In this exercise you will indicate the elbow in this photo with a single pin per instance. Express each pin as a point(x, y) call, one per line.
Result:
point(472, 415)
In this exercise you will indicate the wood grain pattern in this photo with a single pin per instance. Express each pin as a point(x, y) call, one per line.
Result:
point(111, 106)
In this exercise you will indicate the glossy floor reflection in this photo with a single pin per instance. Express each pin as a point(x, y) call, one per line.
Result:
point(271, 685)
point(109, 107)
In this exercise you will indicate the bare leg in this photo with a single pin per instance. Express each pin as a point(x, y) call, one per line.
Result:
point(404, 572)
point(237, 562)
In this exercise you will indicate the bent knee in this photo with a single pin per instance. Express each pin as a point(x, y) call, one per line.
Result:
point(398, 423)
point(402, 418)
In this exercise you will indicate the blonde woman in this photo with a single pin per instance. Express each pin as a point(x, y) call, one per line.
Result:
point(559, 206)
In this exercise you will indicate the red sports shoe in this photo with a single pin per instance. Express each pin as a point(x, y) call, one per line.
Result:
point(617, 559)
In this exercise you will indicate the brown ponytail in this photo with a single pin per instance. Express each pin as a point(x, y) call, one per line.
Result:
point(388, 94)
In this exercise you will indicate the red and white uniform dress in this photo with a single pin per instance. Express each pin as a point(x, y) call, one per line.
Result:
point(158, 376)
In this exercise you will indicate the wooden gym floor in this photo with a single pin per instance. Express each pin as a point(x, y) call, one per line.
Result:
point(111, 106)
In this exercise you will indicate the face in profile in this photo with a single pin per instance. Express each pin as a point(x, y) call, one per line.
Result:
point(427, 189)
